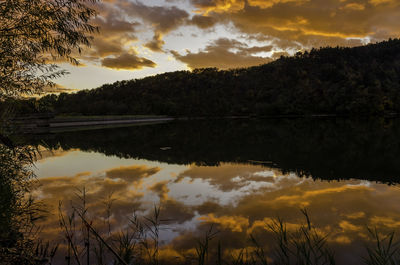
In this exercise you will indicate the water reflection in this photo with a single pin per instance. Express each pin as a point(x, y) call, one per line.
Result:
point(325, 149)
point(239, 177)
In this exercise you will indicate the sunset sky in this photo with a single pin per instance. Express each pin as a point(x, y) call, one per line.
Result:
point(143, 38)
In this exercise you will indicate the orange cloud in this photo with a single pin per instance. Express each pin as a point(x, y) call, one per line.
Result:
point(221, 54)
point(381, 2)
point(233, 223)
point(127, 61)
point(131, 173)
point(354, 6)
point(218, 6)
point(312, 23)
point(156, 44)
point(270, 3)
point(115, 31)
point(112, 46)
point(222, 176)
point(289, 25)
point(161, 189)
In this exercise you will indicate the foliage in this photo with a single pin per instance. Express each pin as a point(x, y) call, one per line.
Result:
point(305, 245)
point(18, 237)
point(385, 251)
point(344, 81)
point(35, 32)
point(32, 34)
point(138, 243)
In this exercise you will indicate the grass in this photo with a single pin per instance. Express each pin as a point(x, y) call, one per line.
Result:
point(385, 250)
point(140, 244)
point(304, 247)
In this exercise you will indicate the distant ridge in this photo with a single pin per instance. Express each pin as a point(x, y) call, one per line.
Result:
point(363, 80)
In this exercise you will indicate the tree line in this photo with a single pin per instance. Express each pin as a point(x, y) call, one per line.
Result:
point(362, 80)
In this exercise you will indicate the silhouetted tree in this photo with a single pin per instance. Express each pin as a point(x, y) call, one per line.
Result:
point(32, 34)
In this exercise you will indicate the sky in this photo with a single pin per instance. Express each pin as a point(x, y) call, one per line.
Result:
point(140, 38)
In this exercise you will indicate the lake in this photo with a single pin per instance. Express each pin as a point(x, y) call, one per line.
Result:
point(233, 177)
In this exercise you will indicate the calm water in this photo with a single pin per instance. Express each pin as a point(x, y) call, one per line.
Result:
point(236, 174)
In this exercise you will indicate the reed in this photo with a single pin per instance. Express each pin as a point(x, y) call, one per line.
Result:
point(139, 243)
point(306, 246)
point(385, 250)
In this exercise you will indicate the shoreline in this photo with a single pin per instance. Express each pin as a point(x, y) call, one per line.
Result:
point(109, 121)
point(39, 124)
point(47, 123)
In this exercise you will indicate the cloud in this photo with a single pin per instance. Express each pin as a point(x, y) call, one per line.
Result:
point(131, 173)
point(270, 3)
point(233, 223)
point(222, 176)
point(156, 43)
point(118, 186)
point(354, 6)
point(115, 31)
point(289, 25)
point(104, 47)
point(163, 19)
point(116, 180)
point(203, 22)
point(344, 222)
point(382, 2)
point(175, 211)
point(127, 61)
point(341, 209)
point(161, 189)
point(311, 23)
point(224, 53)
point(112, 47)
point(208, 207)
point(56, 89)
point(218, 6)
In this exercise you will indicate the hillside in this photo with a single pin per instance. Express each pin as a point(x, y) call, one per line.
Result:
point(362, 81)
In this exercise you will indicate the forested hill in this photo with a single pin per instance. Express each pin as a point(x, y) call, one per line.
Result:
point(362, 80)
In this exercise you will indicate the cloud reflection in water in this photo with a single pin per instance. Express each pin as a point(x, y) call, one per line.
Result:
point(238, 199)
